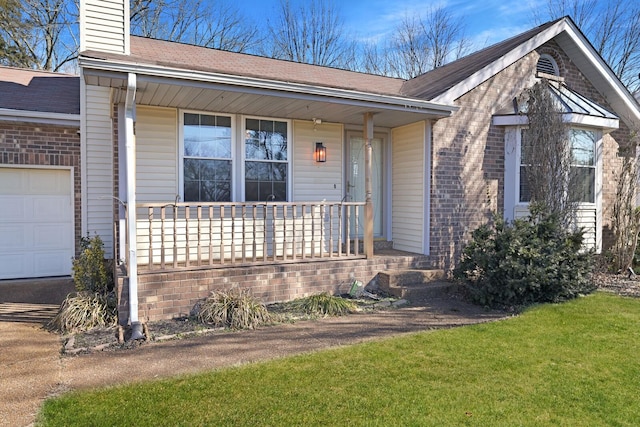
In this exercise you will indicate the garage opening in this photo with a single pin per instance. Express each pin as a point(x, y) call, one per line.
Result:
point(36, 222)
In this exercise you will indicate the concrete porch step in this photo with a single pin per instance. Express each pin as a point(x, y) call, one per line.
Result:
point(413, 284)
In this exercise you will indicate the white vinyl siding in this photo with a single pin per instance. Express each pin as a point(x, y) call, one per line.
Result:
point(105, 25)
point(316, 181)
point(156, 151)
point(408, 196)
point(586, 219)
point(98, 200)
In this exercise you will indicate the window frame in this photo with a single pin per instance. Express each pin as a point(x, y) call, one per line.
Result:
point(181, 154)
point(596, 137)
point(242, 147)
point(596, 162)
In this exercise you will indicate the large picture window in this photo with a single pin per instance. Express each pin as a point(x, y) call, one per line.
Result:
point(266, 160)
point(207, 158)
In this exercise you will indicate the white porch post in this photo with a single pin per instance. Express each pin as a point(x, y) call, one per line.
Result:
point(130, 143)
point(368, 186)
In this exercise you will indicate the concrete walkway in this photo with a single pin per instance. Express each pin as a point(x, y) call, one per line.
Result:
point(29, 356)
point(33, 369)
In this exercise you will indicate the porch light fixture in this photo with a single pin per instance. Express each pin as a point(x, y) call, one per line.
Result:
point(320, 154)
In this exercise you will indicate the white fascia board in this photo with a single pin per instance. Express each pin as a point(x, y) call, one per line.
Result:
point(572, 118)
point(495, 67)
point(510, 120)
point(40, 117)
point(591, 121)
point(612, 80)
point(292, 90)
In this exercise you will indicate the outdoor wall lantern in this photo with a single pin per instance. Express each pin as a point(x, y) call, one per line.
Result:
point(320, 153)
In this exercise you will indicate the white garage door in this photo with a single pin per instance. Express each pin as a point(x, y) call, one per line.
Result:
point(36, 222)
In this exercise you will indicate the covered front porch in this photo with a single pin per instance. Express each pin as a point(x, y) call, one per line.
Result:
point(165, 234)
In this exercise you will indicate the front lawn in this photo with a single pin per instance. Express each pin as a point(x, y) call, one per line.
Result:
point(570, 364)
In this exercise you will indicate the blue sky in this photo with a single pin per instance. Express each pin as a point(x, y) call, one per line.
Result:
point(486, 21)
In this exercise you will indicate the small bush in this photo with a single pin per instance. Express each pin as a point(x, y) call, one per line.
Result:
point(83, 311)
point(524, 262)
point(90, 271)
point(235, 309)
point(325, 304)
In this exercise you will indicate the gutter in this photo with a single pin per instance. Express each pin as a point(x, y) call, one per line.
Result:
point(242, 83)
point(42, 117)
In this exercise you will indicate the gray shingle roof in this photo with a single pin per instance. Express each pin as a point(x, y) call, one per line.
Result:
point(31, 90)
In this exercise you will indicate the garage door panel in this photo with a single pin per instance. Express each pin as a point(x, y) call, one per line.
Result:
point(51, 208)
point(52, 263)
point(12, 208)
point(36, 222)
point(50, 236)
point(13, 238)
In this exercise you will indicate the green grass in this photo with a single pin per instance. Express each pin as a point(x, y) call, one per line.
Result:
point(571, 364)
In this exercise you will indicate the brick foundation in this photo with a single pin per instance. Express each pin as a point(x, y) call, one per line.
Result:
point(166, 295)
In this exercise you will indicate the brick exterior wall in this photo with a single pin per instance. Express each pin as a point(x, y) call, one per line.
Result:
point(468, 155)
point(166, 295)
point(42, 145)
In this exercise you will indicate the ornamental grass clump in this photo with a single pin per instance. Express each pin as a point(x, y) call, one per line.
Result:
point(325, 304)
point(94, 304)
point(84, 311)
point(235, 309)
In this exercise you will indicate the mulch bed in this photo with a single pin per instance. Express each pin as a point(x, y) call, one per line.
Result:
point(107, 339)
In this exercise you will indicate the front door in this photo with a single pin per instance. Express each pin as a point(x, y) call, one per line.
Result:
point(355, 182)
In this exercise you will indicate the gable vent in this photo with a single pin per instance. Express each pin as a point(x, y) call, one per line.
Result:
point(547, 65)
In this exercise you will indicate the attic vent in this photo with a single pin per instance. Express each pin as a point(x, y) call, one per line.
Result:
point(547, 65)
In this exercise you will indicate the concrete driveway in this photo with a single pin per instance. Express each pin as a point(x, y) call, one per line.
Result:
point(30, 356)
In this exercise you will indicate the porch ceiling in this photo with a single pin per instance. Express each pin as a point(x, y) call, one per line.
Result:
point(263, 101)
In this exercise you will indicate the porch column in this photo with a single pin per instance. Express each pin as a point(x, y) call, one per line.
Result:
point(130, 144)
point(368, 186)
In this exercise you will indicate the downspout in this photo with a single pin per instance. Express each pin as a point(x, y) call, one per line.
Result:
point(130, 143)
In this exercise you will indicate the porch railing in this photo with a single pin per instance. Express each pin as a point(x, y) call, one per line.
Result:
point(186, 235)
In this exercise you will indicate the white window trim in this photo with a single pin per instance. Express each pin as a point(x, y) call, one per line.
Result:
point(242, 155)
point(180, 190)
point(597, 159)
point(512, 177)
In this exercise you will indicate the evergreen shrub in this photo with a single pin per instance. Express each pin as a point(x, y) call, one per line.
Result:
point(527, 261)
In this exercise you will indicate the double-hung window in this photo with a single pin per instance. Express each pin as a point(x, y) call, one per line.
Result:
point(583, 165)
point(582, 144)
point(207, 157)
point(266, 165)
point(525, 165)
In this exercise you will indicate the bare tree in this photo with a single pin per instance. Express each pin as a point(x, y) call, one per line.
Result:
point(612, 26)
point(418, 44)
point(12, 51)
point(216, 24)
point(546, 154)
point(43, 33)
point(625, 216)
point(311, 33)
